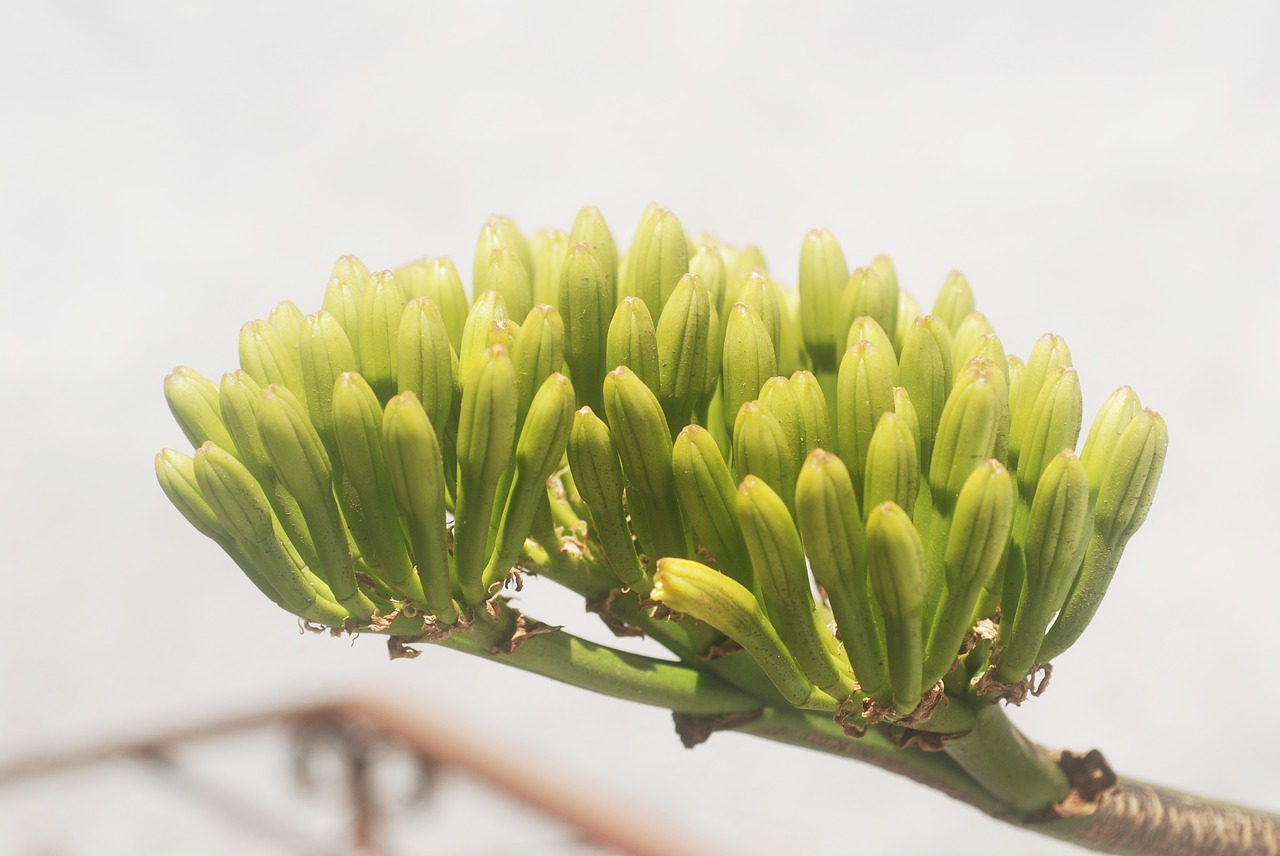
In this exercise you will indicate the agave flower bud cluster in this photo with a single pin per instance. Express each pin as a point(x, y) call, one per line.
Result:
point(674, 423)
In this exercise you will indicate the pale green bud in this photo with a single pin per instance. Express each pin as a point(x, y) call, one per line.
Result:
point(965, 338)
point(707, 494)
point(778, 559)
point(303, 466)
point(342, 303)
point(684, 340)
point(537, 353)
point(416, 469)
point(883, 266)
point(632, 341)
point(866, 329)
point(350, 270)
point(326, 353)
point(895, 562)
point(193, 401)
point(542, 444)
point(426, 364)
point(1120, 408)
point(761, 449)
point(864, 391)
point(975, 545)
point(1054, 425)
point(967, 430)
point(954, 301)
point(925, 373)
point(814, 413)
point(380, 316)
point(502, 232)
point(893, 465)
point(486, 436)
point(694, 589)
point(589, 226)
point(824, 274)
point(549, 248)
point(657, 258)
point(908, 311)
point(835, 542)
point(438, 280)
point(644, 446)
point(1049, 354)
point(778, 398)
point(586, 297)
point(749, 359)
point(864, 294)
point(490, 306)
point(287, 319)
point(268, 359)
point(597, 472)
point(708, 264)
point(763, 295)
point(503, 272)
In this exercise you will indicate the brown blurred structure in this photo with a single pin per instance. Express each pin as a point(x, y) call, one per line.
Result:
point(360, 731)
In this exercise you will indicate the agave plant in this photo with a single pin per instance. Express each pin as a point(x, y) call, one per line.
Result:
point(857, 526)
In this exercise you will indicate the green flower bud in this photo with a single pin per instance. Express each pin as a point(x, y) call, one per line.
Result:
point(778, 559)
point(416, 469)
point(537, 354)
point(864, 393)
point(895, 562)
point(866, 329)
point(326, 353)
point(632, 341)
point(967, 430)
point(490, 306)
point(380, 316)
point(502, 334)
point(500, 232)
point(657, 258)
point(1120, 408)
point(1054, 425)
point(425, 363)
point(1016, 367)
point(437, 279)
point(597, 472)
point(684, 340)
point(287, 320)
point(778, 398)
point(749, 359)
point(268, 359)
point(176, 474)
point(549, 247)
point(587, 299)
point(708, 264)
point(303, 466)
point(908, 311)
point(542, 444)
point(357, 423)
point(589, 227)
point(925, 373)
point(644, 446)
point(954, 301)
point(764, 296)
point(965, 339)
point(814, 414)
point(761, 449)
point(907, 411)
point(707, 493)
point(350, 270)
point(503, 272)
point(835, 542)
point(1049, 354)
point(242, 510)
point(1124, 498)
point(1057, 534)
point(988, 347)
point(974, 547)
point(893, 464)
point(342, 303)
point(883, 266)
point(193, 401)
point(486, 435)
point(864, 294)
point(694, 589)
point(750, 259)
point(238, 401)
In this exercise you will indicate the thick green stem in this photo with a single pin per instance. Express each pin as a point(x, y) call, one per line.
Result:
point(1023, 776)
point(515, 641)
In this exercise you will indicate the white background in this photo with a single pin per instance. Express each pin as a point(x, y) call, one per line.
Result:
point(1110, 172)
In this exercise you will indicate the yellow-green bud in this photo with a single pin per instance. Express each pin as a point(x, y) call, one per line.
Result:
point(490, 306)
point(657, 258)
point(268, 359)
point(866, 329)
point(763, 295)
point(883, 265)
point(925, 373)
point(684, 340)
point(193, 401)
point(503, 272)
point(1120, 408)
point(864, 393)
point(380, 315)
point(864, 294)
point(761, 449)
point(1054, 425)
point(749, 359)
point(438, 280)
point(326, 353)
point(586, 297)
point(954, 301)
point(895, 561)
point(632, 341)
point(1049, 354)
point(597, 473)
point(537, 353)
point(893, 464)
point(707, 493)
point(426, 364)
point(967, 430)
point(589, 227)
point(549, 248)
